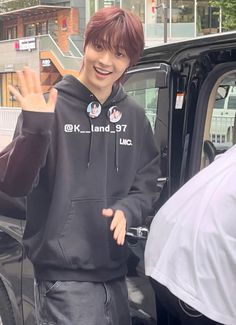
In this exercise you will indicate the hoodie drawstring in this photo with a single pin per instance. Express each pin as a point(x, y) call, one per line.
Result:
point(116, 147)
point(90, 143)
point(116, 150)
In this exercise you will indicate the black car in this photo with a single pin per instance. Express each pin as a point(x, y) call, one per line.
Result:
point(183, 87)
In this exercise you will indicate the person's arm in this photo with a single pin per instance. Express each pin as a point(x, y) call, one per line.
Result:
point(21, 160)
point(144, 191)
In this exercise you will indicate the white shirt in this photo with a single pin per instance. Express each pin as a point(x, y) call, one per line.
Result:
point(191, 247)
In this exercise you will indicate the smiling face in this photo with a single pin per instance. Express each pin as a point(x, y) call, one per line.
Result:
point(102, 67)
point(114, 41)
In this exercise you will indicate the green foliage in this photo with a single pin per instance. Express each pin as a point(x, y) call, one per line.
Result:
point(17, 4)
point(228, 12)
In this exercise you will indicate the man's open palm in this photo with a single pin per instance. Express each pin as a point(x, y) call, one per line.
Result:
point(29, 95)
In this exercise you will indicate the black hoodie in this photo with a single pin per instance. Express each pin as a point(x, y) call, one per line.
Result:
point(72, 166)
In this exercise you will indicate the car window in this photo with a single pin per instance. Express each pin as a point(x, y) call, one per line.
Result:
point(223, 120)
point(142, 86)
point(232, 102)
point(219, 104)
point(220, 126)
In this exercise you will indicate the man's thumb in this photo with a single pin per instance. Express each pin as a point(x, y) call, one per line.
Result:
point(107, 212)
point(52, 97)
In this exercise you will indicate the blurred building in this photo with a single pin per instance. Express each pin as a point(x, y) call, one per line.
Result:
point(39, 33)
point(185, 18)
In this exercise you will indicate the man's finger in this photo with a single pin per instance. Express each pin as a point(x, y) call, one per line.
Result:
point(37, 85)
point(29, 79)
point(22, 83)
point(52, 98)
point(15, 93)
point(119, 229)
point(118, 216)
point(121, 238)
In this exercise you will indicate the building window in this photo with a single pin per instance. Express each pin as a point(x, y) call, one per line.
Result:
point(38, 28)
point(53, 28)
point(90, 9)
point(136, 6)
point(159, 12)
point(183, 11)
point(98, 4)
point(182, 18)
point(108, 3)
point(154, 23)
point(7, 99)
point(11, 32)
point(207, 18)
point(41, 28)
point(30, 30)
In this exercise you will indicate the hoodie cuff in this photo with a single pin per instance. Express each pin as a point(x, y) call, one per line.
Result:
point(34, 122)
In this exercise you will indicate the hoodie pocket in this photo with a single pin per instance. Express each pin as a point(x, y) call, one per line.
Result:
point(86, 239)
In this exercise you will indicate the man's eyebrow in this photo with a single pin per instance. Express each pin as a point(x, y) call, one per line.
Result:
point(119, 47)
point(110, 45)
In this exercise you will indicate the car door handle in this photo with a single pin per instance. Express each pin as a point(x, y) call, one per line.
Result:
point(137, 232)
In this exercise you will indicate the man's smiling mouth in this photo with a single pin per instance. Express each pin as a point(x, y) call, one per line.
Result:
point(102, 72)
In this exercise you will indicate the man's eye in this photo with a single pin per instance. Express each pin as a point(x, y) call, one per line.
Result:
point(98, 47)
point(120, 54)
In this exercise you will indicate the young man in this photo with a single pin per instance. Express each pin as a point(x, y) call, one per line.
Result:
point(190, 252)
point(84, 187)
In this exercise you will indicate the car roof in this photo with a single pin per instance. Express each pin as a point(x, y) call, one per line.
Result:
point(168, 52)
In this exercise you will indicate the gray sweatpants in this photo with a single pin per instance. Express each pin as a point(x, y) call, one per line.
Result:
point(82, 303)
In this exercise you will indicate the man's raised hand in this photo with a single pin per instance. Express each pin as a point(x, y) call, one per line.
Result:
point(30, 96)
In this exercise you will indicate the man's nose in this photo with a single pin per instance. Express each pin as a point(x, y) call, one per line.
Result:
point(106, 58)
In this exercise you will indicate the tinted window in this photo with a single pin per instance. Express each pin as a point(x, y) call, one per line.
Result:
point(142, 86)
point(222, 128)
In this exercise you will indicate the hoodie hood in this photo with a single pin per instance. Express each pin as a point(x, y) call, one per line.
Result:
point(70, 85)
